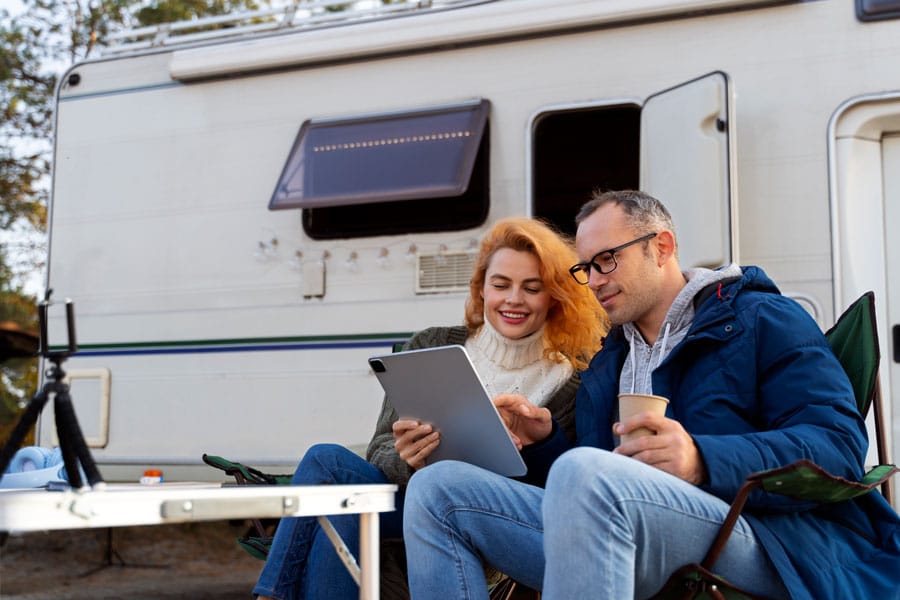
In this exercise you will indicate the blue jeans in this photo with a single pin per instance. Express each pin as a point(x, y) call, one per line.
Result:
point(610, 527)
point(302, 563)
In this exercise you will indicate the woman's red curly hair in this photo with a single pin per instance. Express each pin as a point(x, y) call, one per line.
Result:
point(576, 323)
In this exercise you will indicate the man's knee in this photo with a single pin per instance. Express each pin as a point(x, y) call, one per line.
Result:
point(575, 466)
point(582, 468)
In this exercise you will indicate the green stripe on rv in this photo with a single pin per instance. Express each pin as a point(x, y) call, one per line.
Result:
point(246, 341)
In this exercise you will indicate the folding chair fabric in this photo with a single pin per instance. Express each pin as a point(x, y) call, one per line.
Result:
point(854, 340)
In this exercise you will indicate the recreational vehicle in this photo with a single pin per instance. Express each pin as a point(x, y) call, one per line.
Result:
point(245, 208)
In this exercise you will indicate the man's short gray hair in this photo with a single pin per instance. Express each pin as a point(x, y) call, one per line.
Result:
point(643, 212)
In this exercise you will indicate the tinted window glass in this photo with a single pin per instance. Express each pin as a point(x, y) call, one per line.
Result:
point(394, 157)
point(451, 213)
point(876, 10)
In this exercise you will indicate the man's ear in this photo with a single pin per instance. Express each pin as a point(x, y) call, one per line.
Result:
point(665, 243)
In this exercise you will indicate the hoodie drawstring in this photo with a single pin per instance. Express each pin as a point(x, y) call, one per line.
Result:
point(662, 353)
point(665, 341)
point(633, 363)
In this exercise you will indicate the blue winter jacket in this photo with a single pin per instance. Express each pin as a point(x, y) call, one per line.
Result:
point(757, 386)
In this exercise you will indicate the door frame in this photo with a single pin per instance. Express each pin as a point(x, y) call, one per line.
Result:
point(857, 204)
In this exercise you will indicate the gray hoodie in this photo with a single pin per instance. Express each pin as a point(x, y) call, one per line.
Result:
point(642, 359)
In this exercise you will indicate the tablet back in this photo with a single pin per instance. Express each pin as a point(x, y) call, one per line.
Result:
point(440, 386)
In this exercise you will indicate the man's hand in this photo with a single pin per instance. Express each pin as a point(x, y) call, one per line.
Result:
point(672, 449)
point(414, 441)
point(526, 422)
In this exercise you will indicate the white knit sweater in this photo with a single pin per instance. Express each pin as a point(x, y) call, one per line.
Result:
point(509, 366)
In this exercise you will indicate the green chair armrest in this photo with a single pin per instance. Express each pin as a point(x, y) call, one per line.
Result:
point(805, 480)
point(244, 474)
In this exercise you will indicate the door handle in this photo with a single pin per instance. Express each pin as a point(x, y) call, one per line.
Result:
point(896, 340)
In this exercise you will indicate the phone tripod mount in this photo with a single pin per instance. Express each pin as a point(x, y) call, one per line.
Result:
point(71, 439)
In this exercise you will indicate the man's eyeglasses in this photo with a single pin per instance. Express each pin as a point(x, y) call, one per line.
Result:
point(604, 262)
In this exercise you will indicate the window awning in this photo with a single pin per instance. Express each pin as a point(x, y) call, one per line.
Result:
point(426, 153)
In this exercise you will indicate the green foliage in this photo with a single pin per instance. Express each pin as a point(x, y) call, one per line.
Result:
point(168, 11)
point(25, 115)
point(18, 376)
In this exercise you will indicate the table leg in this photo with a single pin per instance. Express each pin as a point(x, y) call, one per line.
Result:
point(370, 567)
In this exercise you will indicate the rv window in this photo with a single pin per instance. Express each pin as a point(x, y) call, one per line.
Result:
point(578, 150)
point(407, 216)
point(382, 158)
point(876, 10)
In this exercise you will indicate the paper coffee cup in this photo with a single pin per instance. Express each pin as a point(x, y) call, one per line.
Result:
point(632, 404)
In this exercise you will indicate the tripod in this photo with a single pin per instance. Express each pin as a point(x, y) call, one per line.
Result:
point(71, 439)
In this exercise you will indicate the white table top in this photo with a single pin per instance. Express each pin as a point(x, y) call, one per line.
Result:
point(121, 505)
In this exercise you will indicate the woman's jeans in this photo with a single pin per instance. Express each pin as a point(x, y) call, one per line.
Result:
point(302, 563)
point(609, 526)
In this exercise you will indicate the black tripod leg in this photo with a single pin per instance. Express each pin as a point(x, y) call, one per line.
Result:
point(113, 559)
point(74, 448)
point(26, 422)
point(70, 456)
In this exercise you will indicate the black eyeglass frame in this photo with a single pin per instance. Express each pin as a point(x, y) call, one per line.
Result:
point(585, 267)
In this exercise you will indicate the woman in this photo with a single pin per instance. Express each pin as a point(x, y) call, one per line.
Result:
point(529, 328)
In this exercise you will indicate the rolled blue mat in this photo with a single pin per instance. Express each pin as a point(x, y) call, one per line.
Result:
point(55, 457)
point(63, 476)
point(29, 458)
point(35, 466)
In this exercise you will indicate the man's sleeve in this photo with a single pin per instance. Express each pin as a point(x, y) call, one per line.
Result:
point(805, 406)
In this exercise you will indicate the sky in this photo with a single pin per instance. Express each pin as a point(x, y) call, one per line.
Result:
point(11, 6)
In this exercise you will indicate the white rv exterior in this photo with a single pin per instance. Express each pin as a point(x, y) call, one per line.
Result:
point(209, 323)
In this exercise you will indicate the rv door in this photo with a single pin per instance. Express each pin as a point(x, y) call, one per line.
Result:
point(686, 161)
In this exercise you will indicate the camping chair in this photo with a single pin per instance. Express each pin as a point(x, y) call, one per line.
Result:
point(258, 538)
point(854, 340)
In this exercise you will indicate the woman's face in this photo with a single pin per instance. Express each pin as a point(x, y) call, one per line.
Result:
point(515, 299)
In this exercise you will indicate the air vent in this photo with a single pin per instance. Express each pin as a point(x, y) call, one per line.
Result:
point(444, 272)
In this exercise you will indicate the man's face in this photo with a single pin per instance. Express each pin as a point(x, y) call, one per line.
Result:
point(632, 290)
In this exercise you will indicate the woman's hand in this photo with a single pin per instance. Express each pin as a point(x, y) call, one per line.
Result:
point(414, 441)
point(526, 422)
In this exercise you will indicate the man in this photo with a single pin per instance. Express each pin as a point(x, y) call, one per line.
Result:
point(752, 385)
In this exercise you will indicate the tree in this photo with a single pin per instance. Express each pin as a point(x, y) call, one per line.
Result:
point(24, 125)
point(18, 375)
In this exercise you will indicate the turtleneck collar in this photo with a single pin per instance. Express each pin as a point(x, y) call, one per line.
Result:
point(507, 353)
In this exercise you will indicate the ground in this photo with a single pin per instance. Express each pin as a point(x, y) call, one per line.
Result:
point(195, 560)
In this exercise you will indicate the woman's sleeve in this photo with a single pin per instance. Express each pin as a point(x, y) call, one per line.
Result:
point(381, 451)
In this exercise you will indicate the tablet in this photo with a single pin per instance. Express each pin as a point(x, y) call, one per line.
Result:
point(440, 386)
